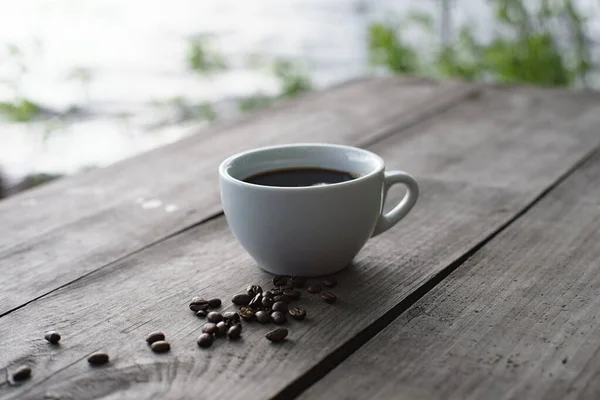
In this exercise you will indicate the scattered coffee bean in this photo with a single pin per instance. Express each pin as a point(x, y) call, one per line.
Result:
point(214, 303)
point(235, 331)
point(330, 282)
point(267, 302)
point(198, 304)
point(201, 314)
point(222, 328)
point(98, 359)
point(329, 297)
point(205, 340)
point(275, 292)
point(241, 299)
point(280, 280)
point(280, 306)
point(314, 288)
point(214, 317)
point(209, 328)
point(298, 281)
point(160, 347)
point(155, 337)
point(52, 336)
point(231, 317)
point(278, 317)
point(298, 313)
point(282, 298)
point(253, 290)
point(22, 373)
point(256, 301)
point(246, 312)
point(277, 335)
point(292, 293)
point(263, 317)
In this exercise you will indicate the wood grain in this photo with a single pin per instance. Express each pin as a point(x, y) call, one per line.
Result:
point(115, 307)
point(62, 231)
point(519, 320)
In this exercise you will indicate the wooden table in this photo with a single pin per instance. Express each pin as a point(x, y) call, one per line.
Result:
point(490, 288)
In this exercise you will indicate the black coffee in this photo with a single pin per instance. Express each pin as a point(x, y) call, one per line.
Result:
point(295, 177)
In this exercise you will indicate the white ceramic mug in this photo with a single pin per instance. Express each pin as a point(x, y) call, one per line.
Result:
point(310, 230)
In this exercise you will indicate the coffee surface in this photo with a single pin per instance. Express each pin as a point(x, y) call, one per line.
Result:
point(297, 177)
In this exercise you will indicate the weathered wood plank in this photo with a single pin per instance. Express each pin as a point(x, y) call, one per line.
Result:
point(60, 232)
point(113, 308)
point(519, 320)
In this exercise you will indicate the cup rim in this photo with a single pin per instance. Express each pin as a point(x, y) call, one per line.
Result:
point(225, 163)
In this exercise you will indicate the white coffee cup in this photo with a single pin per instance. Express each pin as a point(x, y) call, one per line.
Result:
point(310, 230)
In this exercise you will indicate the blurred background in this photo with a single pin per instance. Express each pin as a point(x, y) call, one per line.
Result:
point(85, 83)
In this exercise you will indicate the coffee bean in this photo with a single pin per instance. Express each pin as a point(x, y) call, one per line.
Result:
point(52, 336)
point(205, 340)
point(246, 312)
point(292, 293)
point(280, 306)
point(160, 347)
point(298, 281)
point(256, 301)
point(253, 290)
point(199, 307)
point(298, 313)
point(329, 297)
point(275, 292)
point(277, 335)
point(214, 303)
point(22, 373)
point(155, 337)
point(198, 304)
point(282, 298)
point(231, 316)
point(330, 282)
point(267, 302)
point(314, 288)
point(214, 317)
point(209, 328)
point(280, 280)
point(235, 331)
point(278, 317)
point(201, 314)
point(263, 317)
point(289, 286)
point(222, 328)
point(241, 299)
point(98, 359)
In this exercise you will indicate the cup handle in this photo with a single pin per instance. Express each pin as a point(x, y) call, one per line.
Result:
point(386, 221)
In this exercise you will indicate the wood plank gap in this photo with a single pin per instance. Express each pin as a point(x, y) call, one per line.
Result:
point(320, 370)
point(182, 230)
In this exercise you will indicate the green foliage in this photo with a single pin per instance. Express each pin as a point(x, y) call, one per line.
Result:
point(20, 110)
point(386, 49)
point(527, 52)
point(463, 59)
point(206, 112)
point(202, 58)
point(255, 102)
point(292, 78)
